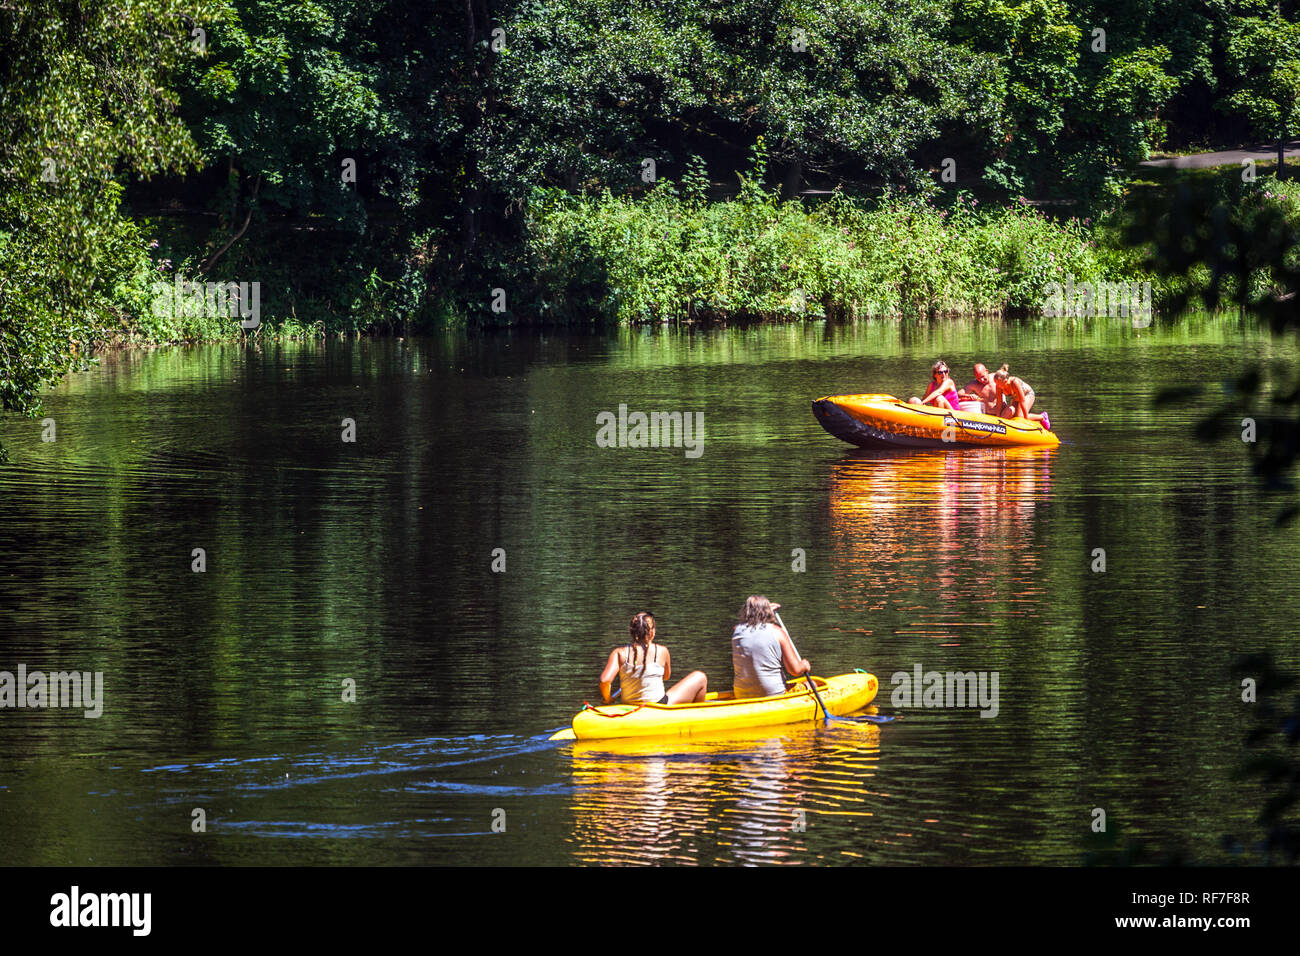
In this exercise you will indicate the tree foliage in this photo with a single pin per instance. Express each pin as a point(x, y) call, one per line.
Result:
point(455, 114)
point(590, 88)
point(86, 99)
point(1263, 59)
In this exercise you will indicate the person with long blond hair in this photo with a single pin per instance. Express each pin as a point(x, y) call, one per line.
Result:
point(1019, 398)
point(760, 646)
point(642, 667)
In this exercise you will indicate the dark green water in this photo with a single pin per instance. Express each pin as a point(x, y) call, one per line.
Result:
point(371, 562)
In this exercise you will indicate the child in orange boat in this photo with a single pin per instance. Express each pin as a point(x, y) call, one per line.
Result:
point(1019, 398)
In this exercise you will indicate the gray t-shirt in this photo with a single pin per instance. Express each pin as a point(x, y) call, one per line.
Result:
point(756, 661)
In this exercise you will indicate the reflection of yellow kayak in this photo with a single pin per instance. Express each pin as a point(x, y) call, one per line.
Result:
point(882, 421)
point(737, 796)
point(841, 695)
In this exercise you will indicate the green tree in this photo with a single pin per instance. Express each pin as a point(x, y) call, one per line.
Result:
point(1083, 89)
point(1037, 48)
point(292, 92)
point(1263, 58)
point(286, 95)
point(85, 99)
point(589, 89)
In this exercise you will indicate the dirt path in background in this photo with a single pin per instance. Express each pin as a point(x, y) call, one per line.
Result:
point(1227, 157)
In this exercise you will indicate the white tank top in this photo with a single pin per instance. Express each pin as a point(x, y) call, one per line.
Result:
point(642, 684)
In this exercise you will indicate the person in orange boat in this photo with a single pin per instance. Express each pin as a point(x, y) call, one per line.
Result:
point(943, 392)
point(982, 390)
point(1019, 398)
point(759, 648)
point(642, 666)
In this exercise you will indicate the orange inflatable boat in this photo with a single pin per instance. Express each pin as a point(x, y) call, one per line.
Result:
point(882, 421)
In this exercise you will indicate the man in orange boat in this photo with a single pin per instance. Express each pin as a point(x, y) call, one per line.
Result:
point(759, 647)
point(1019, 398)
point(982, 390)
point(943, 392)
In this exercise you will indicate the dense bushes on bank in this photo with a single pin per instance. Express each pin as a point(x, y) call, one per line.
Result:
point(672, 256)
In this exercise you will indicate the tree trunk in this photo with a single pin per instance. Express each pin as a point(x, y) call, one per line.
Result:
point(207, 266)
point(478, 20)
point(793, 180)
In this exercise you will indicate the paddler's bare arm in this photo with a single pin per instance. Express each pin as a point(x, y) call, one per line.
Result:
point(793, 663)
point(607, 676)
point(937, 391)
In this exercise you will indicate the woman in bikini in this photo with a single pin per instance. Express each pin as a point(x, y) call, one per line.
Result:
point(943, 392)
point(1019, 398)
point(642, 666)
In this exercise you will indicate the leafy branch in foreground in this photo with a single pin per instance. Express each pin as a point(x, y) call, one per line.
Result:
point(1273, 757)
point(1234, 248)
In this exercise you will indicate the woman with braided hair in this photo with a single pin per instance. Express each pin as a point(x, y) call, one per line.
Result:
point(642, 667)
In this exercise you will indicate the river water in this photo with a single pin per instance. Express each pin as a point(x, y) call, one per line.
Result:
point(365, 569)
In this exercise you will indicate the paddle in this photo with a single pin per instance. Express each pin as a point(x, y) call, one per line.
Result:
point(808, 677)
point(863, 718)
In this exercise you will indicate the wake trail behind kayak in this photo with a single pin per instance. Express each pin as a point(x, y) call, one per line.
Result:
point(426, 756)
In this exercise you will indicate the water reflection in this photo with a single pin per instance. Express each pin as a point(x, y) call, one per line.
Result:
point(959, 523)
point(741, 797)
point(233, 675)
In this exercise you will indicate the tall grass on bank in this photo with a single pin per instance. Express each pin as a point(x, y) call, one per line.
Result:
point(312, 287)
point(1283, 197)
point(670, 255)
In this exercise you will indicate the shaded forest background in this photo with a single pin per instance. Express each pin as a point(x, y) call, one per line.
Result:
point(380, 164)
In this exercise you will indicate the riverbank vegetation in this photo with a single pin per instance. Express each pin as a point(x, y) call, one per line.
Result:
point(673, 255)
point(391, 165)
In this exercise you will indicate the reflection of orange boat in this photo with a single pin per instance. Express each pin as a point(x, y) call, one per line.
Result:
point(957, 520)
point(996, 478)
point(882, 421)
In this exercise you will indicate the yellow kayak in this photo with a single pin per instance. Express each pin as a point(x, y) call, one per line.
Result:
point(793, 738)
point(720, 711)
point(882, 421)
